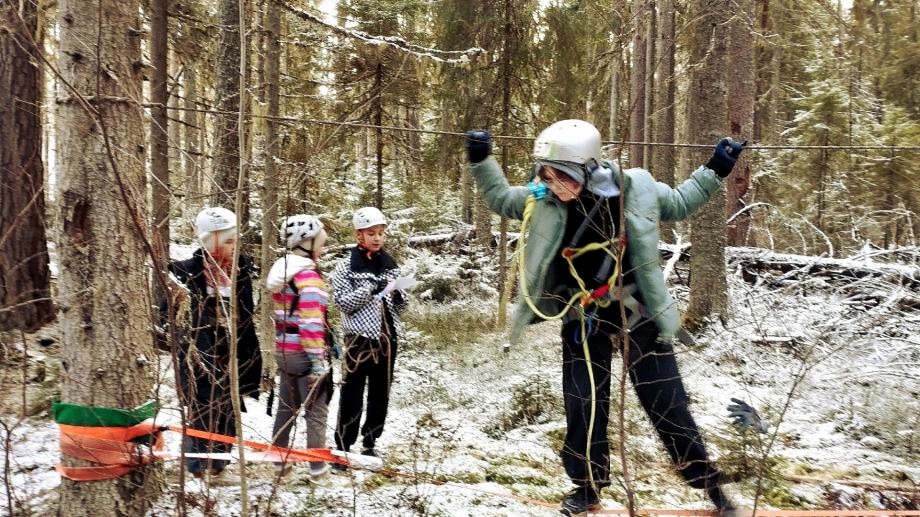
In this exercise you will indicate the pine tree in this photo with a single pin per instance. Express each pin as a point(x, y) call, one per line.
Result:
point(25, 296)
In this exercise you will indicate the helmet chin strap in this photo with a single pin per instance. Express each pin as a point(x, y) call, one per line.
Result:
point(309, 253)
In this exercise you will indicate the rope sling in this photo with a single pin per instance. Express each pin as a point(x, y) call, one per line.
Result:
point(615, 248)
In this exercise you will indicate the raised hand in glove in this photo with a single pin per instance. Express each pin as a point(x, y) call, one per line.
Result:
point(478, 145)
point(745, 416)
point(725, 155)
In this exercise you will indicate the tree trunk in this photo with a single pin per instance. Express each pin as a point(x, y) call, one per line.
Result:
point(107, 347)
point(159, 141)
point(706, 122)
point(767, 63)
point(637, 73)
point(174, 129)
point(612, 125)
point(664, 162)
point(24, 273)
point(378, 140)
point(506, 129)
point(192, 156)
point(650, 57)
point(272, 149)
point(741, 91)
point(226, 130)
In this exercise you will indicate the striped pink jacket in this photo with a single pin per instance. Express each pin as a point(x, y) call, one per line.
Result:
point(304, 328)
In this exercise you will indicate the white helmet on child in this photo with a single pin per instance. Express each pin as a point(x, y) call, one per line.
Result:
point(214, 219)
point(367, 217)
point(569, 146)
point(298, 228)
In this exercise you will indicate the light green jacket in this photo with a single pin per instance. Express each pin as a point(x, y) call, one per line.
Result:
point(647, 202)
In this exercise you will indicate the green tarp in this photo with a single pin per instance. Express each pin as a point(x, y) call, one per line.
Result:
point(96, 416)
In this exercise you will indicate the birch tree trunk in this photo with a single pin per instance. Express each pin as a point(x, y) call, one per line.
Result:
point(24, 273)
point(706, 122)
point(192, 156)
point(107, 347)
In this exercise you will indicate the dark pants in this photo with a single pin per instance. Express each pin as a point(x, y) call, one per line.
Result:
point(656, 380)
point(367, 362)
point(207, 394)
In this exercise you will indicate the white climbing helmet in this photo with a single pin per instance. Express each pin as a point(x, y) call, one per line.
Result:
point(367, 217)
point(213, 219)
point(569, 146)
point(298, 228)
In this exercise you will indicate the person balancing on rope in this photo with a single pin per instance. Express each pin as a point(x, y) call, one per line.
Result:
point(604, 282)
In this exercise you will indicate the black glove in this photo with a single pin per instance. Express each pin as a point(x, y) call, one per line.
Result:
point(745, 416)
point(380, 285)
point(478, 145)
point(724, 158)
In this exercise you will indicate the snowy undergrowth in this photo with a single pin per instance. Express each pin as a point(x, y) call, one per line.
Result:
point(475, 428)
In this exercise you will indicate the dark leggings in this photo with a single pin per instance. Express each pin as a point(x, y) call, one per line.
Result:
point(367, 362)
point(657, 382)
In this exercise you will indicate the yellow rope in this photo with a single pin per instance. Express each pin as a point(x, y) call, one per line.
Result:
point(584, 295)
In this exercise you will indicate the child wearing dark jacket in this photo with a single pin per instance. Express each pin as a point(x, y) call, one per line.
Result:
point(204, 355)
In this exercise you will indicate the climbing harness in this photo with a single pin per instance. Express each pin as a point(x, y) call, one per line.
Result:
point(583, 298)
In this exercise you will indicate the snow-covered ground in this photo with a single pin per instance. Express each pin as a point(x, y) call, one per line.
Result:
point(474, 429)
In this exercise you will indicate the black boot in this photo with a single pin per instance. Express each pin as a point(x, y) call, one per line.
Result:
point(580, 501)
point(724, 506)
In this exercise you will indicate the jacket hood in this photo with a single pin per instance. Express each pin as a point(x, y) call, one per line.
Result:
point(284, 269)
point(604, 180)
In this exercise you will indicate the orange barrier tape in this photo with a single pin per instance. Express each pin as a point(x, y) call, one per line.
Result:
point(110, 446)
point(118, 454)
point(286, 453)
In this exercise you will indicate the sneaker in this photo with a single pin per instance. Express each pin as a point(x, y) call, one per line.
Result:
point(580, 501)
point(320, 476)
point(369, 451)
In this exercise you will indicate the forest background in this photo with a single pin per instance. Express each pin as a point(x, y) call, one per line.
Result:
point(120, 119)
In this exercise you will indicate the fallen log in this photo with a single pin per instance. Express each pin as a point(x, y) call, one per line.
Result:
point(792, 266)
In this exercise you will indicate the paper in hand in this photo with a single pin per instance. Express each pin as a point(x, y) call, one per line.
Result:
point(403, 282)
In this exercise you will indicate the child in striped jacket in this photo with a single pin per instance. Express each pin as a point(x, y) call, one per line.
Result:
point(302, 342)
